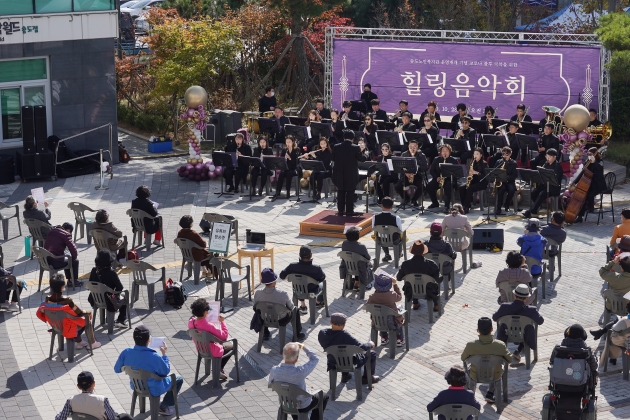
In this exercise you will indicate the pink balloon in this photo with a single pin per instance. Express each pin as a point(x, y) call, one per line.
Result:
point(572, 137)
point(191, 112)
point(218, 170)
point(198, 167)
point(212, 175)
point(189, 167)
point(183, 116)
point(582, 135)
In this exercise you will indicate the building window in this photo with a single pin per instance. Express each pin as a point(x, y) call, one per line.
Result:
point(29, 7)
point(14, 70)
point(11, 115)
point(15, 7)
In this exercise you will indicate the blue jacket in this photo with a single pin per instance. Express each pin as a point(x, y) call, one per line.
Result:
point(532, 245)
point(142, 357)
point(518, 308)
point(328, 337)
point(453, 396)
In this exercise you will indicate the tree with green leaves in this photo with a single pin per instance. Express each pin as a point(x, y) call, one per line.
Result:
point(194, 9)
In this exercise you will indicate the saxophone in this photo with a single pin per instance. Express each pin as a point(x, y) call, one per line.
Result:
point(441, 182)
point(470, 177)
point(497, 184)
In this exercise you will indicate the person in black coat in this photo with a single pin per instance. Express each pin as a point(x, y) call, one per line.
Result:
point(103, 273)
point(321, 111)
point(509, 187)
point(348, 113)
point(518, 307)
point(436, 173)
point(268, 101)
point(478, 183)
point(278, 115)
point(415, 179)
point(403, 106)
point(431, 112)
point(419, 265)
point(383, 181)
point(323, 153)
point(142, 202)
point(290, 153)
point(406, 124)
point(378, 113)
point(32, 212)
point(547, 141)
point(369, 128)
point(337, 127)
point(429, 149)
point(306, 267)
point(455, 121)
point(468, 134)
point(598, 182)
point(519, 117)
point(368, 96)
point(346, 157)
point(539, 194)
point(233, 176)
point(455, 394)
point(594, 122)
point(336, 336)
point(262, 150)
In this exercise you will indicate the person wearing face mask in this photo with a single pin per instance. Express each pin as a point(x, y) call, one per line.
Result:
point(368, 128)
point(268, 101)
point(598, 182)
point(368, 95)
point(416, 179)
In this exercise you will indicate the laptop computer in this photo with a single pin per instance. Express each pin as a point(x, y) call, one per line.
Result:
point(254, 240)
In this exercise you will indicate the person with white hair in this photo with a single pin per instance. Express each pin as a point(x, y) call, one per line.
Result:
point(288, 372)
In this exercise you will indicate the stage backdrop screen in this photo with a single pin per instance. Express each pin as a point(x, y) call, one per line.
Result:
point(474, 74)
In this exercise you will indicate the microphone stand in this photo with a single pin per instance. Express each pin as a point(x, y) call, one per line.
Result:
point(488, 220)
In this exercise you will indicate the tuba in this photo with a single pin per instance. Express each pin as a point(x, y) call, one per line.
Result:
point(603, 132)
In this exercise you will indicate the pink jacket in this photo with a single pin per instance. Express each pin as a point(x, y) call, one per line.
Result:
point(203, 325)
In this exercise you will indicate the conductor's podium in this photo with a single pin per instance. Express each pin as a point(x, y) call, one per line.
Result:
point(327, 223)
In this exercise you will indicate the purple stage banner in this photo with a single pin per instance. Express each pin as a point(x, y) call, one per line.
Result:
point(499, 75)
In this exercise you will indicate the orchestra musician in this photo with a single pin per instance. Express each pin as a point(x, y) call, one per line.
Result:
point(368, 128)
point(476, 184)
point(455, 121)
point(429, 149)
point(263, 149)
point(348, 114)
point(598, 182)
point(323, 113)
point(337, 127)
point(365, 151)
point(233, 176)
point(539, 194)
point(506, 162)
point(434, 185)
point(466, 133)
point(323, 153)
point(513, 142)
point(488, 115)
point(367, 96)
point(345, 175)
point(406, 124)
point(403, 106)
point(379, 114)
point(278, 114)
point(550, 117)
point(431, 111)
point(291, 154)
point(416, 179)
point(546, 142)
point(520, 117)
point(268, 101)
point(310, 142)
point(383, 180)
point(594, 121)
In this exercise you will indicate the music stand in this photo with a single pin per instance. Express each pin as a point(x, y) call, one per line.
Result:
point(526, 143)
point(453, 171)
point(393, 138)
point(224, 160)
point(256, 163)
point(277, 163)
point(529, 127)
point(359, 106)
point(493, 142)
point(269, 125)
point(312, 165)
point(353, 125)
point(548, 176)
point(405, 165)
point(458, 146)
point(421, 138)
point(297, 120)
point(444, 125)
point(480, 126)
point(497, 122)
point(371, 168)
point(493, 175)
point(298, 131)
point(319, 129)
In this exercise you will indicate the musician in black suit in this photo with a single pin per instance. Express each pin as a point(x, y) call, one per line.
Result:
point(595, 165)
point(488, 115)
point(379, 114)
point(323, 153)
point(406, 124)
point(321, 111)
point(291, 154)
point(455, 121)
point(233, 176)
point(384, 180)
point(429, 149)
point(403, 106)
point(546, 142)
point(278, 114)
point(550, 117)
point(268, 101)
point(477, 183)
point(345, 174)
point(539, 194)
point(513, 142)
point(431, 112)
point(412, 179)
point(434, 185)
point(594, 122)
point(348, 114)
point(262, 150)
point(337, 127)
point(368, 128)
point(509, 187)
point(367, 96)
point(468, 134)
point(520, 117)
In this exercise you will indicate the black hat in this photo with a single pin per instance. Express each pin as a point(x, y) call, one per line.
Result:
point(552, 152)
point(141, 333)
point(305, 251)
point(484, 325)
point(514, 123)
point(85, 379)
point(103, 258)
point(575, 331)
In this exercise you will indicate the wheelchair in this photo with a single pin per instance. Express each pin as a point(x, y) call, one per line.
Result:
point(572, 387)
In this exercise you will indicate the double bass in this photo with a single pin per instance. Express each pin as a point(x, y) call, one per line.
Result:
point(577, 200)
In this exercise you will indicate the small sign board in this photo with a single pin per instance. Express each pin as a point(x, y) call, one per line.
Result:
point(220, 237)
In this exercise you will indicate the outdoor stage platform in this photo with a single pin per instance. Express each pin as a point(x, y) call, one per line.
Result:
point(327, 223)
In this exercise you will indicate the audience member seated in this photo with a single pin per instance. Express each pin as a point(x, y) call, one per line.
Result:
point(516, 273)
point(103, 223)
point(417, 264)
point(58, 240)
point(187, 232)
point(486, 345)
point(620, 334)
point(56, 301)
point(272, 295)
point(87, 402)
point(383, 295)
point(386, 218)
point(351, 244)
point(574, 337)
point(619, 230)
point(458, 220)
point(438, 245)
point(142, 202)
point(555, 231)
point(337, 336)
point(288, 372)
point(456, 392)
point(519, 307)
point(199, 321)
point(532, 244)
point(619, 283)
point(5, 291)
point(32, 212)
point(306, 267)
point(103, 273)
point(141, 356)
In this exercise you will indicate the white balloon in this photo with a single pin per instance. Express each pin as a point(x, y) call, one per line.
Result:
point(211, 168)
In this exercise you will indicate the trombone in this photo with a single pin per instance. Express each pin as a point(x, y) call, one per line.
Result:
point(522, 119)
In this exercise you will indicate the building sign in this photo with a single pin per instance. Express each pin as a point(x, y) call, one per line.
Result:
point(11, 28)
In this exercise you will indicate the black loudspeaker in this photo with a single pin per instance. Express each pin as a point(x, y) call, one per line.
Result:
point(213, 128)
point(487, 238)
point(41, 129)
point(230, 122)
point(35, 165)
point(28, 131)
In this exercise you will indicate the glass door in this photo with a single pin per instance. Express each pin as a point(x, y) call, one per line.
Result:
point(10, 109)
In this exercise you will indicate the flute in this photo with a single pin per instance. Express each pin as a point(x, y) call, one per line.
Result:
point(309, 153)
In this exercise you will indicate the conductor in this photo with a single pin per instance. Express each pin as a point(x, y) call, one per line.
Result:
point(345, 175)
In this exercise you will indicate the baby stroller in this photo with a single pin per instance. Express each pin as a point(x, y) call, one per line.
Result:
point(572, 387)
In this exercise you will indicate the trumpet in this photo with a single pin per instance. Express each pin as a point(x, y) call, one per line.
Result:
point(399, 128)
point(521, 119)
point(459, 134)
point(470, 176)
point(311, 153)
point(497, 184)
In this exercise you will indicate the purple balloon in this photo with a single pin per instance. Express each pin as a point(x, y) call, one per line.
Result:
point(189, 167)
point(181, 174)
point(212, 175)
point(204, 176)
point(198, 167)
point(197, 177)
point(218, 170)
point(191, 112)
point(186, 173)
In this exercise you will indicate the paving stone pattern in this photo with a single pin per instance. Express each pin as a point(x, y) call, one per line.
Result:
point(35, 387)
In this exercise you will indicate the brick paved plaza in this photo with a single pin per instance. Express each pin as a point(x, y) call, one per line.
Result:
point(35, 387)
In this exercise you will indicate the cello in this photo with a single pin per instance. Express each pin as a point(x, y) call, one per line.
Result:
point(577, 200)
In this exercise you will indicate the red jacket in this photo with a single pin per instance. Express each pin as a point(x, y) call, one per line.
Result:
point(70, 325)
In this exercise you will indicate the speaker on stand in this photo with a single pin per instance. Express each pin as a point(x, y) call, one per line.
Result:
point(28, 130)
point(41, 129)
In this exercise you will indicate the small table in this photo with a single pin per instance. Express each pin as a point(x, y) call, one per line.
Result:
point(266, 252)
